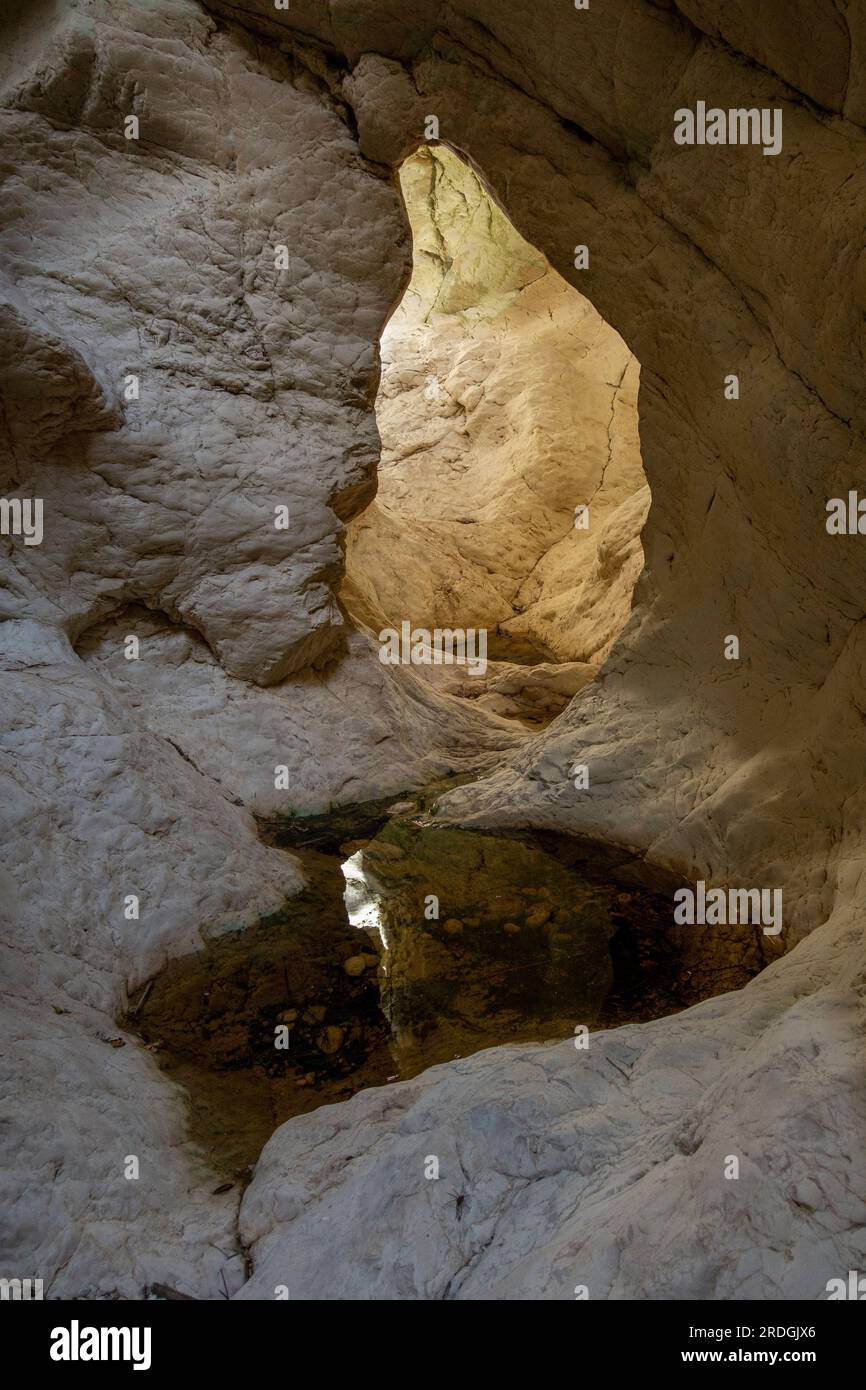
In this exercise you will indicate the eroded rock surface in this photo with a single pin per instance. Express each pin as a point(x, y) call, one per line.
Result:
point(155, 258)
point(602, 1169)
point(135, 779)
point(158, 258)
point(385, 731)
point(506, 404)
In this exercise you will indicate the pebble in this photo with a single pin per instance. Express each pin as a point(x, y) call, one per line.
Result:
point(453, 926)
point(330, 1039)
point(511, 927)
point(356, 965)
point(537, 916)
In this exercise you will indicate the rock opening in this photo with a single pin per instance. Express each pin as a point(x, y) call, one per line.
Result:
point(511, 493)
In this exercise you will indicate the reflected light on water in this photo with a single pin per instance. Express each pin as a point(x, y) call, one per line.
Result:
point(362, 902)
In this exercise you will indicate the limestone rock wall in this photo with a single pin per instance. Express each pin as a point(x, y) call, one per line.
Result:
point(257, 389)
point(708, 262)
point(506, 403)
point(155, 258)
point(136, 779)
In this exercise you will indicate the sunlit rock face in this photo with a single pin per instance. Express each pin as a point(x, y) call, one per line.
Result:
point(156, 259)
point(510, 488)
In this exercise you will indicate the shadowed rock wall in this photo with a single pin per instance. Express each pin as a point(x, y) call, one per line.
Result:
point(256, 390)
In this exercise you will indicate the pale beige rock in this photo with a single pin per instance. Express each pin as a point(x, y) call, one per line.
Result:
point(257, 389)
point(708, 262)
point(528, 695)
point(354, 730)
point(96, 809)
point(162, 266)
point(155, 258)
point(506, 403)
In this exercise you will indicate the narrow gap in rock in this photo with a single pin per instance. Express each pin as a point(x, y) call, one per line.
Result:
point(511, 493)
point(511, 499)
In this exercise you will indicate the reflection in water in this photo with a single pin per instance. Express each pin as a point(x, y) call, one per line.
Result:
point(490, 938)
point(362, 902)
point(414, 946)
